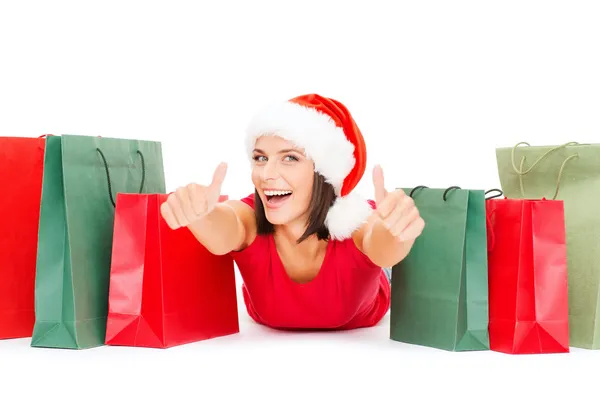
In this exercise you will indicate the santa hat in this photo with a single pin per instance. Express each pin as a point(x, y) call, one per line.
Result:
point(331, 138)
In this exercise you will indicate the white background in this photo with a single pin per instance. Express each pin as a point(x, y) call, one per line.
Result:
point(424, 80)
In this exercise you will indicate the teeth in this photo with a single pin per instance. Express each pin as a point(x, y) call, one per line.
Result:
point(277, 192)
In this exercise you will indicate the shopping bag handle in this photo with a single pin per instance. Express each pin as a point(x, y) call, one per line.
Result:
point(521, 172)
point(490, 228)
point(112, 200)
point(500, 193)
point(447, 190)
point(415, 189)
point(488, 218)
point(412, 192)
point(444, 196)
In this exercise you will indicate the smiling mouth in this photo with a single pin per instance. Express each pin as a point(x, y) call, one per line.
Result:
point(277, 197)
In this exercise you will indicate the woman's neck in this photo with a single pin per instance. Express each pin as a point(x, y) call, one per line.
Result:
point(290, 233)
point(302, 261)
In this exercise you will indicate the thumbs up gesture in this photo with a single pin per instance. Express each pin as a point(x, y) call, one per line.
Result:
point(191, 203)
point(397, 211)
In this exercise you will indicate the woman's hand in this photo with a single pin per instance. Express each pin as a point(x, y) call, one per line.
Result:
point(393, 227)
point(189, 204)
point(396, 210)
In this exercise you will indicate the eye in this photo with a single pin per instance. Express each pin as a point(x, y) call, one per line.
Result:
point(260, 158)
point(289, 158)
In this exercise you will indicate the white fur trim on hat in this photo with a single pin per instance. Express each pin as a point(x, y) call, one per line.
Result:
point(347, 215)
point(323, 141)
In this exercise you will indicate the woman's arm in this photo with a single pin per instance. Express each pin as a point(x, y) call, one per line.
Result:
point(220, 226)
point(229, 226)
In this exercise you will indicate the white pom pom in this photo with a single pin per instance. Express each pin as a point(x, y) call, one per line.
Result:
point(347, 215)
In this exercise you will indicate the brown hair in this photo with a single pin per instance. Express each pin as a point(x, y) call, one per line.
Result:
point(322, 198)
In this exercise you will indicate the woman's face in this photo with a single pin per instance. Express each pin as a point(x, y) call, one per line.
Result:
point(283, 177)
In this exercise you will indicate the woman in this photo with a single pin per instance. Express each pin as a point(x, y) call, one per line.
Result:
point(309, 250)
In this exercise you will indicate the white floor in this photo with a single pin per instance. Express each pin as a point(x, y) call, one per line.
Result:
point(284, 366)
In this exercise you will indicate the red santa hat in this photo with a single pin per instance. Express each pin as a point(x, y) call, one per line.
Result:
point(331, 138)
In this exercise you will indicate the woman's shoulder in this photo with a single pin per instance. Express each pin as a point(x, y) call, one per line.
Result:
point(248, 200)
point(349, 251)
point(243, 205)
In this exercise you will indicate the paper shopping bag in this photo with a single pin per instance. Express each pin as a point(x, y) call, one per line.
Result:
point(21, 168)
point(166, 289)
point(527, 261)
point(440, 290)
point(571, 173)
point(81, 177)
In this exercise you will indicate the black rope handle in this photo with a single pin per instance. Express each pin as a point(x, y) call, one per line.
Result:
point(416, 188)
point(449, 189)
point(500, 193)
point(112, 200)
point(425, 187)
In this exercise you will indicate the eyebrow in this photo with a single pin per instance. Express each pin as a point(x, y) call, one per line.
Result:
point(287, 150)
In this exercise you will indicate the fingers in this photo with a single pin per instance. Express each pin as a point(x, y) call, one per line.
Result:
point(171, 212)
point(218, 178)
point(390, 202)
point(185, 204)
point(413, 230)
point(378, 183)
point(169, 216)
point(188, 204)
point(405, 220)
point(396, 210)
point(197, 195)
point(175, 206)
point(401, 216)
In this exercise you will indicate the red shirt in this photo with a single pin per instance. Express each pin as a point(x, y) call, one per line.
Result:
point(350, 291)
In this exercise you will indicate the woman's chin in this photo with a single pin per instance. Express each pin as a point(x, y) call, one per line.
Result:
point(276, 218)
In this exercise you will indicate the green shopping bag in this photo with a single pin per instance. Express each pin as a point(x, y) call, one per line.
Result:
point(568, 172)
point(440, 290)
point(81, 177)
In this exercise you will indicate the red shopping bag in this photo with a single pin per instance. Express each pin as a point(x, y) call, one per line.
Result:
point(21, 169)
point(165, 289)
point(528, 294)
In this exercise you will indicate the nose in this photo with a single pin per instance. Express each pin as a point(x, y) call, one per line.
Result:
point(270, 170)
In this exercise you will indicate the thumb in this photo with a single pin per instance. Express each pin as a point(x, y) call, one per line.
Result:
point(218, 178)
point(378, 183)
